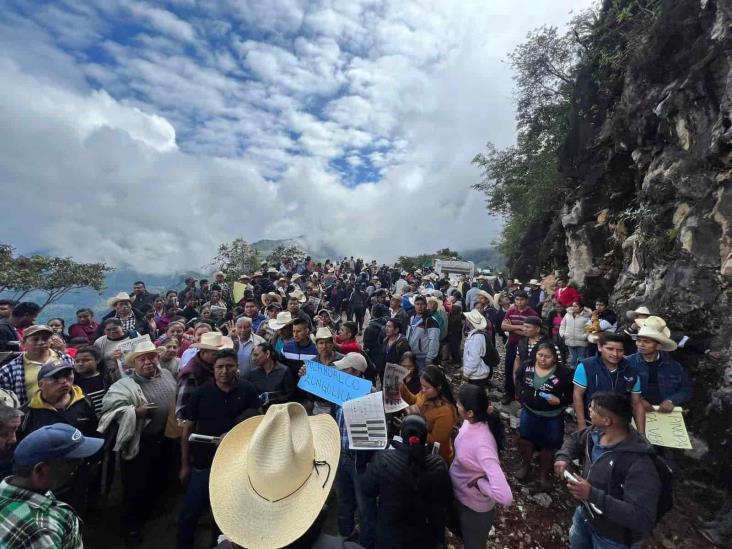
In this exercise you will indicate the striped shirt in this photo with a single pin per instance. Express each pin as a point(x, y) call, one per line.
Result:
point(29, 520)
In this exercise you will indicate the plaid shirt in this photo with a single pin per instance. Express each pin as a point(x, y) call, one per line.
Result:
point(29, 520)
point(12, 376)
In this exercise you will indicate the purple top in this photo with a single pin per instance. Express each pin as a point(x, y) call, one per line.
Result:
point(476, 455)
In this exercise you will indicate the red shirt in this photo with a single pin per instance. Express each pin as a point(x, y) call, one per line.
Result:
point(516, 318)
point(348, 347)
point(567, 295)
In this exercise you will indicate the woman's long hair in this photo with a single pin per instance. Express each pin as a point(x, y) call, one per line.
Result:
point(414, 437)
point(434, 376)
point(474, 399)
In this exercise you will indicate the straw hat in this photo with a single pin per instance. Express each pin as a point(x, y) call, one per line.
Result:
point(269, 297)
point(534, 282)
point(271, 475)
point(142, 348)
point(323, 333)
point(219, 273)
point(655, 322)
point(272, 270)
point(667, 344)
point(295, 277)
point(122, 296)
point(632, 315)
point(476, 319)
point(214, 341)
point(483, 293)
point(255, 274)
point(297, 294)
point(352, 360)
point(283, 319)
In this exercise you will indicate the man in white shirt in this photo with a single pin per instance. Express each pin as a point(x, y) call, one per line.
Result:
point(475, 371)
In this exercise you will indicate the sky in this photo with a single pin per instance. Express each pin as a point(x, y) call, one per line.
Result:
point(144, 134)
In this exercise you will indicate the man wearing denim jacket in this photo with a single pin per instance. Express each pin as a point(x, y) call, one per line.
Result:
point(664, 382)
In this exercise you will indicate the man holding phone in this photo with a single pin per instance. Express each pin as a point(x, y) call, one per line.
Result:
point(619, 486)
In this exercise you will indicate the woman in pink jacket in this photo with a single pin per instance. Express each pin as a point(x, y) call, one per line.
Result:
point(477, 478)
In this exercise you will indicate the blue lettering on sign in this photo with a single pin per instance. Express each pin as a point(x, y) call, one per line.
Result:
point(331, 384)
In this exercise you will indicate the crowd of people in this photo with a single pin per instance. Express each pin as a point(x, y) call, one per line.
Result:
point(200, 385)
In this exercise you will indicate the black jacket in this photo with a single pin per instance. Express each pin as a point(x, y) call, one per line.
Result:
point(411, 511)
point(9, 338)
point(625, 485)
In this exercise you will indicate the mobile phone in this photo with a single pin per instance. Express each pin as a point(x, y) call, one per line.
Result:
point(208, 439)
point(570, 477)
point(544, 395)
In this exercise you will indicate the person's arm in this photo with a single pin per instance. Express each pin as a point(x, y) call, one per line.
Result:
point(494, 483)
point(639, 412)
point(185, 464)
point(433, 347)
point(407, 395)
point(684, 391)
point(578, 403)
point(442, 427)
point(571, 449)
point(563, 327)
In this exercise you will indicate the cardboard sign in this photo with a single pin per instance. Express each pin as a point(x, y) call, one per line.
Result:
point(331, 384)
point(667, 429)
point(238, 290)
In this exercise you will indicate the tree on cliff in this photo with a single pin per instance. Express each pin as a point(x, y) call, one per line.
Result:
point(281, 252)
point(235, 258)
point(46, 276)
point(521, 181)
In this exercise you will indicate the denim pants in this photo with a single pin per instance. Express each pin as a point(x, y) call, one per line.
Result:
point(351, 500)
point(575, 355)
point(195, 503)
point(581, 536)
point(511, 351)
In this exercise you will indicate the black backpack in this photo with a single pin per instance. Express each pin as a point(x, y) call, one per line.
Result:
point(665, 474)
point(491, 357)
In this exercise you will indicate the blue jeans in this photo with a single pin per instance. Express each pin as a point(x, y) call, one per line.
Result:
point(581, 536)
point(511, 351)
point(195, 503)
point(575, 355)
point(351, 500)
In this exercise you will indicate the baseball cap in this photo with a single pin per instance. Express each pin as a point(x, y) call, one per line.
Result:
point(36, 328)
point(57, 441)
point(352, 360)
point(50, 369)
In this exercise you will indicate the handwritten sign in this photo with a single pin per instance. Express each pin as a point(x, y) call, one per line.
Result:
point(331, 384)
point(667, 429)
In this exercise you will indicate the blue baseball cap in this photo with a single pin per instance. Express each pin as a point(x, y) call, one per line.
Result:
point(57, 441)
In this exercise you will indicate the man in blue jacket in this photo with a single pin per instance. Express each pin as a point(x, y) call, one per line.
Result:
point(608, 371)
point(663, 381)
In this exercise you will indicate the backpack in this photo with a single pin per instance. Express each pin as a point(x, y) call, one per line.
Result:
point(491, 357)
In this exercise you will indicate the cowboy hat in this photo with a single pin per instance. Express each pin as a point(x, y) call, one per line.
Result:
point(255, 274)
point(213, 341)
point(244, 277)
point(323, 333)
point(483, 293)
point(271, 475)
point(632, 315)
point(667, 344)
point(219, 273)
point(418, 272)
point(122, 296)
point(655, 322)
point(272, 296)
point(142, 348)
point(295, 277)
point(476, 319)
point(283, 319)
point(272, 270)
point(297, 294)
point(534, 282)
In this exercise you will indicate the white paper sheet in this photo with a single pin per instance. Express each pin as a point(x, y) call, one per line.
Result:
point(365, 422)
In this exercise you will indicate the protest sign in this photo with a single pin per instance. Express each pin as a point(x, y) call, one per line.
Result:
point(331, 384)
point(394, 374)
point(129, 345)
point(365, 422)
point(313, 304)
point(237, 291)
point(667, 429)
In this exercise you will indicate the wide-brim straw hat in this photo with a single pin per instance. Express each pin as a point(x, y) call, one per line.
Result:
point(142, 348)
point(283, 319)
point(295, 277)
point(477, 320)
point(632, 315)
point(272, 270)
point(655, 322)
point(323, 333)
point(297, 294)
point(122, 296)
point(534, 282)
point(486, 295)
point(667, 344)
point(269, 297)
point(214, 341)
point(272, 474)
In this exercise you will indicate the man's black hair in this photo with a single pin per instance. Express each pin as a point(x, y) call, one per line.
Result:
point(301, 322)
point(202, 281)
point(137, 282)
point(421, 298)
point(7, 302)
point(225, 353)
point(26, 308)
point(602, 300)
point(618, 404)
point(609, 337)
point(85, 310)
point(521, 293)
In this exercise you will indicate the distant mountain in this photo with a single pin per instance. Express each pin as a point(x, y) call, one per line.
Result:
point(484, 257)
point(317, 250)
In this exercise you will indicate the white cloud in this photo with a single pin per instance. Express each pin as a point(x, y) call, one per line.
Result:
point(230, 122)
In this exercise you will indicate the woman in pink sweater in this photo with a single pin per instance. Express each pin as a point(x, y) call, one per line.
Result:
point(477, 478)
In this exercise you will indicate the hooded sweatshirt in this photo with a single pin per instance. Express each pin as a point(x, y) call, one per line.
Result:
point(625, 483)
point(78, 413)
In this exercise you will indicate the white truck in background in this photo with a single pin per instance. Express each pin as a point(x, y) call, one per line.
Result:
point(453, 269)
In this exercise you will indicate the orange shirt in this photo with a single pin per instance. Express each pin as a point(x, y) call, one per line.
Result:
point(441, 417)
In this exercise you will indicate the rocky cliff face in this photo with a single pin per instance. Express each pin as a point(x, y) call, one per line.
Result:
point(648, 212)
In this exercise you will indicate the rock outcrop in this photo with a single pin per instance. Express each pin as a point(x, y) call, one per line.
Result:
point(648, 207)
